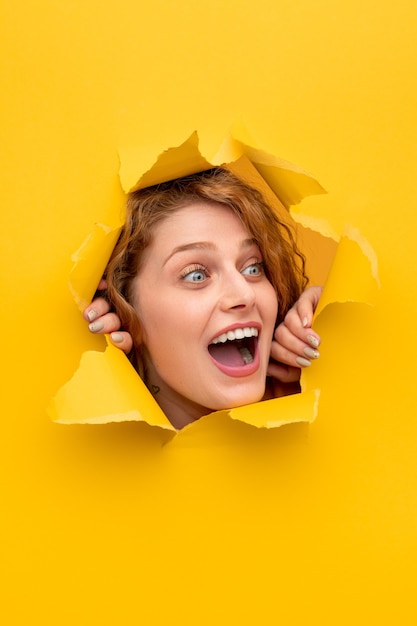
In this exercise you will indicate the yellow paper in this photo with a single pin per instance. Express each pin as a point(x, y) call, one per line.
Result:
point(106, 388)
point(353, 280)
point(353, 276)
point(90, 262)
point(229, 524)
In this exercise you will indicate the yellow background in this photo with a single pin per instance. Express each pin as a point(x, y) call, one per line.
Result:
point(102, 525)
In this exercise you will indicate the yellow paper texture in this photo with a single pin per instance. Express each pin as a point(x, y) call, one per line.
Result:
point(90, 262)
point(353, 276)
point(290, 183)
point(353, 280)
point(293, 409)
point(105, 389)
point(229, 524)
point(173, 163)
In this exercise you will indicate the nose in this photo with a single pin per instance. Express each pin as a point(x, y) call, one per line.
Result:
point(237, 292)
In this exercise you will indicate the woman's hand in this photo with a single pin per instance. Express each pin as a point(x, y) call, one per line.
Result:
point(295, 344)
point(102, 320)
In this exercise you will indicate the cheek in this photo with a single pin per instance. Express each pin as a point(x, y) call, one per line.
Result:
point(171, 322)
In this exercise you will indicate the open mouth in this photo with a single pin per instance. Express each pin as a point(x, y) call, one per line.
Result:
point(236, 348)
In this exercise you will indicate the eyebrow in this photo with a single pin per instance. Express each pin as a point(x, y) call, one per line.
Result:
point(207, 245)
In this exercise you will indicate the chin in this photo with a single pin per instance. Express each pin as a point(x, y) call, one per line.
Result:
point(233, 401)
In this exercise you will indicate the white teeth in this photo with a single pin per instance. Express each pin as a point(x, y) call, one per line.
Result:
point(238, 333)
point(221, 339)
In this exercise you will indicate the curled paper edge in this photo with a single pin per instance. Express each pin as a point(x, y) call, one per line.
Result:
point(289, 182)
point(85, 275)
point(106, 388)
point(293, 409)
point(353, 276)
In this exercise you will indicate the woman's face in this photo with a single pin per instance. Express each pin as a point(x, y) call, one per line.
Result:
point(207, 313)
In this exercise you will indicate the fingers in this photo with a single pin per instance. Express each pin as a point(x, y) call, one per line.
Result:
point(295, 343)
point(103, 321)
point(96, 310)
point(123, 340)
point(291, 350)
point(306, 305)
point(283, 373)
point(102, 285)
point(107, 323)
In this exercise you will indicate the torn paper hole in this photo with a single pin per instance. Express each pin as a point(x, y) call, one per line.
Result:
point(106, 388)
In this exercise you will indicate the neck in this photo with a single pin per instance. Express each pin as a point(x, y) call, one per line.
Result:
point(179, 410)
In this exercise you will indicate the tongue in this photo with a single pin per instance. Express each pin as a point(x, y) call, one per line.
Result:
point(230, 353)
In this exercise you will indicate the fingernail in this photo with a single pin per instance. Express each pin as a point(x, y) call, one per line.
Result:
point(95, 327)
point(116, 337)
point(302, 362)
point(305, 321)
point(311, 353)
point(313, 341)
point(92, 314)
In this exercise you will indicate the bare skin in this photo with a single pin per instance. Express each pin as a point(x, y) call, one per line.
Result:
point(294, 346)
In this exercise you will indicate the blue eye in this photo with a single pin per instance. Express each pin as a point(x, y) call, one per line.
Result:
point(254, 269)
point(197, 275)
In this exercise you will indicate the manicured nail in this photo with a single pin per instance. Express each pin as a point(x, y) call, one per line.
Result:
point(302, 362)
point(313, 341)
point(92, 314)
point(116, 337)
point(95, 327)
point(305, 321)
point(311, 353)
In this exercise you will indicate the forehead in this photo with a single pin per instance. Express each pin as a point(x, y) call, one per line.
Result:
point(197, 219)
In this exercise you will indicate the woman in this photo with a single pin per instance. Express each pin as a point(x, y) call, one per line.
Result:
point(202, 275)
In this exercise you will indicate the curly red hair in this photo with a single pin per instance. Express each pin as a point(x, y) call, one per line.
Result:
point(284, 263)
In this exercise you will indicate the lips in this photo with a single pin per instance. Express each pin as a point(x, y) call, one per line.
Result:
point(235, 351)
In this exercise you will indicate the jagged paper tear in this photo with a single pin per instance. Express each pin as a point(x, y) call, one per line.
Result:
point(106, 388)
